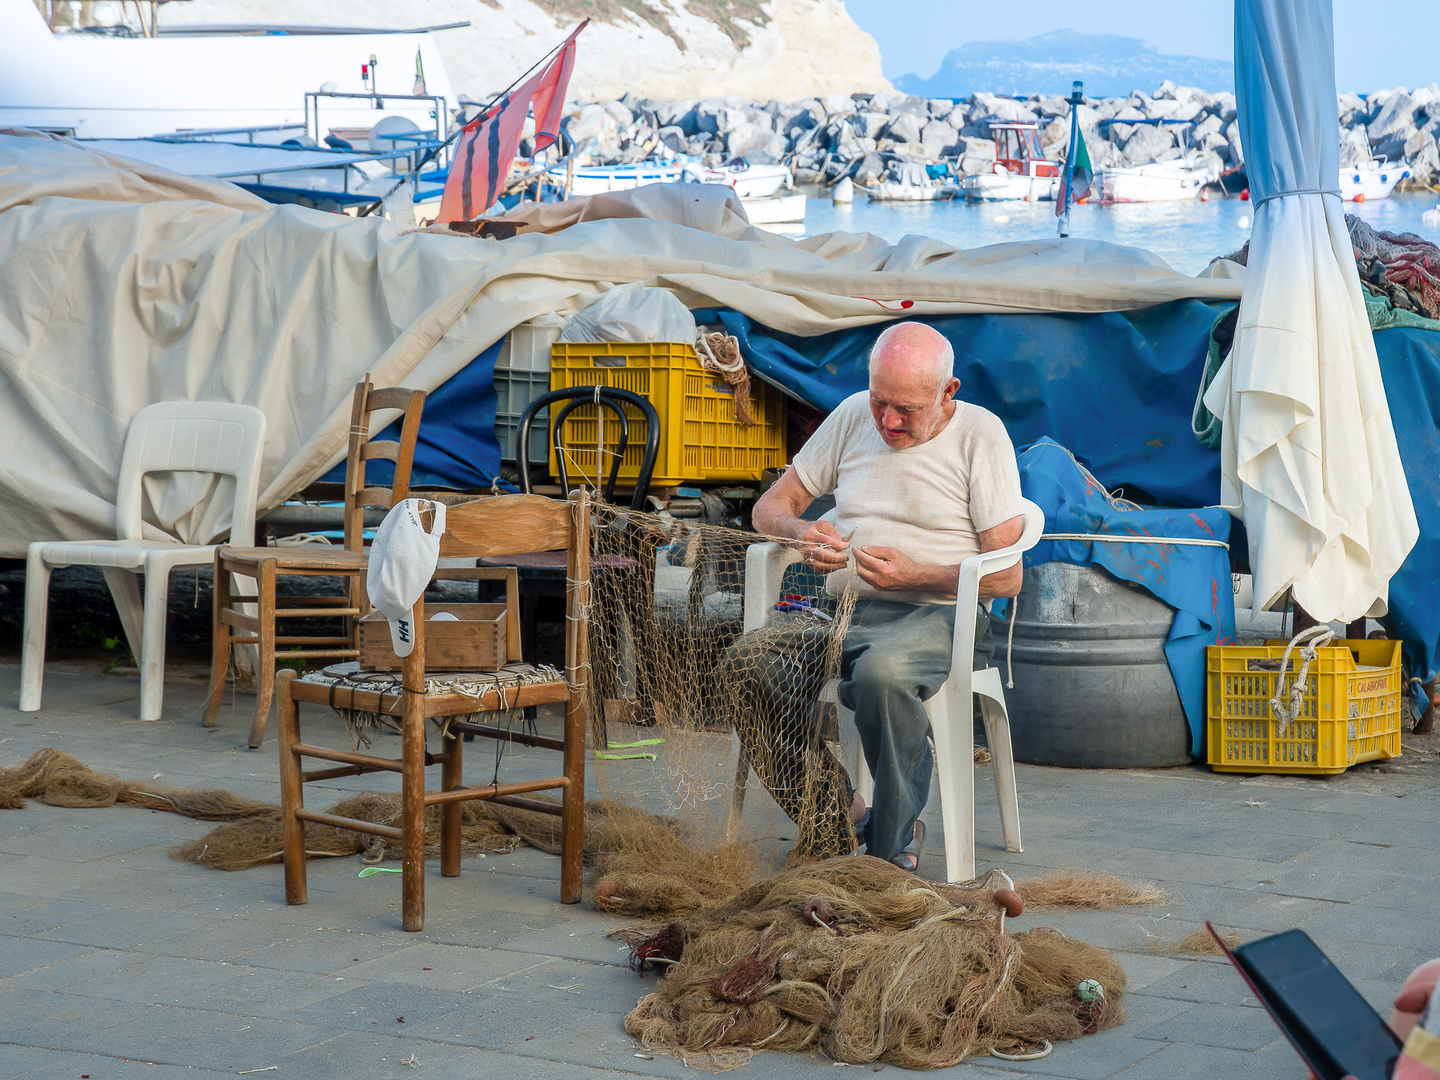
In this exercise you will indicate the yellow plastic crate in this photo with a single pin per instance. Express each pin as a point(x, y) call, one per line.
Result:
point(699, 438)
point(1351, 712)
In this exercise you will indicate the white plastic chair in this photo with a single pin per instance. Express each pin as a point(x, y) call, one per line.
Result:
point(950, 710)
point(170, 437)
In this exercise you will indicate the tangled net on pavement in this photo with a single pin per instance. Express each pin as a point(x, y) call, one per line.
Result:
point(864, 962)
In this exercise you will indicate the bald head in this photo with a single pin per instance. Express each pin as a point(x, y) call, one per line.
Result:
point(913, 350)
point(912, 387)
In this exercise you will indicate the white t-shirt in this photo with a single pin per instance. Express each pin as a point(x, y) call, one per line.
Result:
point(930, 501)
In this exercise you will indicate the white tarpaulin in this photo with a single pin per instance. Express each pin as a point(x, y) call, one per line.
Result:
point(1308, 454)
point(121, 285)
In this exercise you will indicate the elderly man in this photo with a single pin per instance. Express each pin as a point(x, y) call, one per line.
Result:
point(921, 482)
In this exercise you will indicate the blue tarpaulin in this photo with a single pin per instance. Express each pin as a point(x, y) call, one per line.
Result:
point(457, 445)
point(1118, 389)
point(1192, 579)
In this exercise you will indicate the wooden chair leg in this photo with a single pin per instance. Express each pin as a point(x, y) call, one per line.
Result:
point(265, 590)
point(451, 772)
point(219, 646)
point(572, 805)
point(412, 799)
point(292, 796)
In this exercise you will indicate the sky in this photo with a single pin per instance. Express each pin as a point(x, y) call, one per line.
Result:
point(1379, 43)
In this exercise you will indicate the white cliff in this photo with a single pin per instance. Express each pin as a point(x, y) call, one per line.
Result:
point(780, 50)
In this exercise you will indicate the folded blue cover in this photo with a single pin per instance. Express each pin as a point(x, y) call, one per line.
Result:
point(1193, 579)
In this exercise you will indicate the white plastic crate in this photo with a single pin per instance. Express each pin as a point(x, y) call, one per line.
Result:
point(527, 346)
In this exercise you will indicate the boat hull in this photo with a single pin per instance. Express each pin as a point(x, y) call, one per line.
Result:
point(993, 187)
point(1371, 182)
point(890, 191)
point(1148, 183)
point(776, 210)
point(596, 180)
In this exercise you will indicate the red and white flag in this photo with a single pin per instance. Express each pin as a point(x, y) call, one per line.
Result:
point(488, 143)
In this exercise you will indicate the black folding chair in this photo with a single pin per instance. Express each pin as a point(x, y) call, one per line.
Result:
point(602, 397)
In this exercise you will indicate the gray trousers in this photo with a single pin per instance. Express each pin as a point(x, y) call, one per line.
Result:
point(894, 658)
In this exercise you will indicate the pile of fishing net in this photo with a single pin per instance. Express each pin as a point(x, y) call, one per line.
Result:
point(862, 961)
point(1401, 267)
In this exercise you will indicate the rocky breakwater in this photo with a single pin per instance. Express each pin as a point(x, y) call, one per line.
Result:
point(1398, 125)
point(859, 135)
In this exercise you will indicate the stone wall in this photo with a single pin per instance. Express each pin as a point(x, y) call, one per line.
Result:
point(827, 136)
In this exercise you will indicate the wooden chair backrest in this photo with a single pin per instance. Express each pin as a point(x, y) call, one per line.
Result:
point(511, 525)
point(515, 525)
point(358, 494)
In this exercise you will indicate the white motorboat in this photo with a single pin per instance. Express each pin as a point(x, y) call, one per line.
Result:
point(241, 80)
point(748, 181)
point(597, 179)
point(1021, 170)
point(776, 210)
point(1374, 180)
point(911, 181)
point(1164, 181)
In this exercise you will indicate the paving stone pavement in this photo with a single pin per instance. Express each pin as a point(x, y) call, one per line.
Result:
point(117, 962)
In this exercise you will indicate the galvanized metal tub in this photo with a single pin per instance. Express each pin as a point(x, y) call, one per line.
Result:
point(1092, 686)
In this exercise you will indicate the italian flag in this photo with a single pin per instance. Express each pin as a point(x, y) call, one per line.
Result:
point(1075, 177)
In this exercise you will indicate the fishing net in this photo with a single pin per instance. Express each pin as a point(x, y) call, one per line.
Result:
point(726, 817)
point(690, 713)
point(721, 723)
point(864, 961)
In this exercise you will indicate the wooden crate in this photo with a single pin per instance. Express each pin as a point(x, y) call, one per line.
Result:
point(474, 641)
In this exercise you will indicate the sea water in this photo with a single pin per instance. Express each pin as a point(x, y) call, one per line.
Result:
point(1187, 235)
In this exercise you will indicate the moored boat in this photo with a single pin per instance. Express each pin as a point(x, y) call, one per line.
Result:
point(1021, 170)
point(1373, 180)
point(1164, 181)
point(776, 210)
point(598, 179)
point(912, 181)
point(749, 181)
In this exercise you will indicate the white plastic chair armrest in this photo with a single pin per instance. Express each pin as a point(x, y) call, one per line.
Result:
point(967, 592)
point(764, 570)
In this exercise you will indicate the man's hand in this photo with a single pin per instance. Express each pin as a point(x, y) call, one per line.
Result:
point(825, 548)
point(887, 568)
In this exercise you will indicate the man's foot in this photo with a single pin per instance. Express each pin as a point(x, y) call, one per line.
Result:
point(859, 813)
point(909, 857)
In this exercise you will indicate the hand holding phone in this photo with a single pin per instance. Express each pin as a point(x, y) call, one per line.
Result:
point(1333, 1028)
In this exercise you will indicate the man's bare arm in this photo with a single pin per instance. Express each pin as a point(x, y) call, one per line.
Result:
point(888, 568)
point(1003, 582)
point(777, 513)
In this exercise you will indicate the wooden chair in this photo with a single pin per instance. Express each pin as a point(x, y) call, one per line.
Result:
point(266, 564)
point(505, 525)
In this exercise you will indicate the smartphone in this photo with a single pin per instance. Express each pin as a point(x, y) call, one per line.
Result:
point(1331, 1026)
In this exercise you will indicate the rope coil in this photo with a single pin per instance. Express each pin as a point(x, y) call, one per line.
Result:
point(1313, 639)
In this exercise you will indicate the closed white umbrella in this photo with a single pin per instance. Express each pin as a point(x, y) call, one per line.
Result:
point(1308, 454)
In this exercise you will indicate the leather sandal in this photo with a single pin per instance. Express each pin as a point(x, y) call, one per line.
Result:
point(909, 857)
